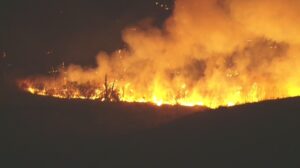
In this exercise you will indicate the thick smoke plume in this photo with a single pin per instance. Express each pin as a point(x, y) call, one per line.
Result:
point(211, 52)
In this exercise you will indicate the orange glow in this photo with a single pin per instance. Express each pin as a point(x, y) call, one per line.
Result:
point(210, 53)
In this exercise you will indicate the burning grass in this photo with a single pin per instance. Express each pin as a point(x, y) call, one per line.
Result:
point(209, 53)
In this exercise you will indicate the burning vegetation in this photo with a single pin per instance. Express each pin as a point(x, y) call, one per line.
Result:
point(209, 52)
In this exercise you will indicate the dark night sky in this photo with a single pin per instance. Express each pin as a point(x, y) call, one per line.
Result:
point(39, 34)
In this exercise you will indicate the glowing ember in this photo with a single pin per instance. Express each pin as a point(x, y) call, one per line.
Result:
point(209, 53)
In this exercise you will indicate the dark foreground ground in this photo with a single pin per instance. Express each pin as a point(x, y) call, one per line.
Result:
point(45, 132)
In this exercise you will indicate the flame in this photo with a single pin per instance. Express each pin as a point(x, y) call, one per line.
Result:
point(159, 95)
point(209, 53)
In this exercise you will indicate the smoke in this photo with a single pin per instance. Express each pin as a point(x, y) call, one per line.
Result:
point(222, 51)
point(274, 19)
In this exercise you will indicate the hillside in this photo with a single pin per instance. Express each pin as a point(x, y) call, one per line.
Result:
point(46, 132)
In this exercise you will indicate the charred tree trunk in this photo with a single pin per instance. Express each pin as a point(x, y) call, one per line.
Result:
point(106, 89)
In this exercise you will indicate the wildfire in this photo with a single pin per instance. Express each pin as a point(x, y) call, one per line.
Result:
point(209, 53)
point(125, 92)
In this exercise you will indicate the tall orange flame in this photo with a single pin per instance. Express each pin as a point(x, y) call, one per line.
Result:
point(210, 52)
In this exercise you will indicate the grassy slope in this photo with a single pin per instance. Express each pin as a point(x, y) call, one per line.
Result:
point(255, 135)
point(46, 132)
